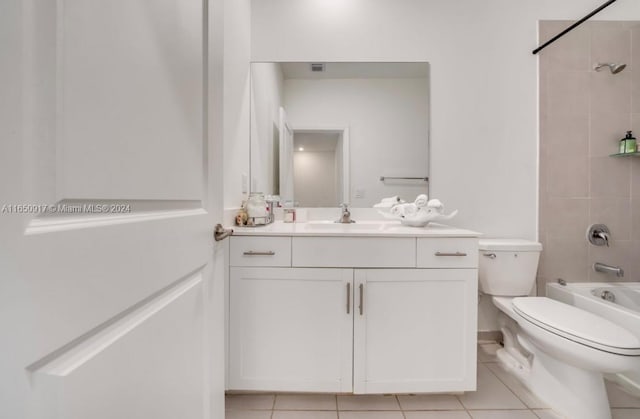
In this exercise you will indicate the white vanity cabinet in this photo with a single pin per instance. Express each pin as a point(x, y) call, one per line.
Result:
point(353, 314)
point(290, 329)
point(415, 330)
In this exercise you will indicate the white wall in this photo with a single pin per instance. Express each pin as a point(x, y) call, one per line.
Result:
point(388, 127)
point(237, 55)
point(267, 98)
point(314, 180)
point(483, 84)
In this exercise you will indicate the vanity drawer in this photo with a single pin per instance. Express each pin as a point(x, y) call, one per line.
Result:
point(447, 253)
point(354, 252)
point(260, 251)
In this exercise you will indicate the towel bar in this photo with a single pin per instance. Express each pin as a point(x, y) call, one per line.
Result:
point(424, 179)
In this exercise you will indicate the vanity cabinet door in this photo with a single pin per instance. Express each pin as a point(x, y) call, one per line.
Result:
point(415, 330)
point(291, 329)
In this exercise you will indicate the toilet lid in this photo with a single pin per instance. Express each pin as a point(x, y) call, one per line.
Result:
point(577, 325)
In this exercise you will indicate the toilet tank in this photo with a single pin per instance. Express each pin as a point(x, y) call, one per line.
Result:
point(508, 267)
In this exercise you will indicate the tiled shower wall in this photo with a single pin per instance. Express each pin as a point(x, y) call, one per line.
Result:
point(583, 114)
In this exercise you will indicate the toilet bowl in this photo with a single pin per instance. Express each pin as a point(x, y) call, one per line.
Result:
point(558, 351)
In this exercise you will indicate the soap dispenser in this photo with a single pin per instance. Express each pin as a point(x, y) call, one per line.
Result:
point(627, 144)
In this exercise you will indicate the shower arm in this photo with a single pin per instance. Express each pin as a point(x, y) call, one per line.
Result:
point(570, 28)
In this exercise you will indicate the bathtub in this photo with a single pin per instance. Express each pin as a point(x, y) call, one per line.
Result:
point(615, 301)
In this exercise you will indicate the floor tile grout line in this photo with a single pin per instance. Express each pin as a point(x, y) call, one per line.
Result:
point(508, 386)
point(400, 406)
point(273, 406)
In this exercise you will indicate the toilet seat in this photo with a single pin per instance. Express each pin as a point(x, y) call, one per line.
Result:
point(577, 325)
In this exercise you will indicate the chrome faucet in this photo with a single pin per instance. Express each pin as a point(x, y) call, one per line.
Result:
point(345, 218)
point(602, 267)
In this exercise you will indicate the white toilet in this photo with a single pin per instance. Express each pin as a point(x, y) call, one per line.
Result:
point(558, 351)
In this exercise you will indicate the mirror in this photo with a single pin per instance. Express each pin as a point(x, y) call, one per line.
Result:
point(324, 133)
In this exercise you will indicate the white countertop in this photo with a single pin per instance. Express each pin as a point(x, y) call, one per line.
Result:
point(357, 229)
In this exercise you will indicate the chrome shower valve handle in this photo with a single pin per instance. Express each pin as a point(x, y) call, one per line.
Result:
point(598, 235)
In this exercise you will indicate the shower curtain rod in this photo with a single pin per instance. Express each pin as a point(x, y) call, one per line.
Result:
point(570, 28)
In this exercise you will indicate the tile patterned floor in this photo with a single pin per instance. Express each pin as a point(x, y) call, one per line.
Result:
point(499, 396)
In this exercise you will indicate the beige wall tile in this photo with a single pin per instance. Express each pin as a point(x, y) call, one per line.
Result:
point(568, 93)
point(610, 92)
point(567, 217)
point(635, 69)
point(565, 258)
point(635, 91)
point(615, 213)
point(635, 48)
point(635, 122)
point(579, 183)
point(635, 219)
point(543, 176)
point(542, 238)
point(567, 135)
point(635, 177)
point(610, 42)
point(541, 285)
point(568, 177)
point(632, 273)
point(610, 177)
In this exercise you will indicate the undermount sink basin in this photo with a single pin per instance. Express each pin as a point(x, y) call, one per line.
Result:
point(357, 226)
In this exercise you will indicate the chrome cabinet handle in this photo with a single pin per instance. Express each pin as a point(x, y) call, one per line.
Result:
point(490, 255)
point(451, 254)
point(348, 297)
point(252, 253)
point(361, 307)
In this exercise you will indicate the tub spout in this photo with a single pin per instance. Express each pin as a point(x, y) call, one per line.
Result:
point(602, 267)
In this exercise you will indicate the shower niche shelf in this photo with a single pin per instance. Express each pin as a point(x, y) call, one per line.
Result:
point(636, 154)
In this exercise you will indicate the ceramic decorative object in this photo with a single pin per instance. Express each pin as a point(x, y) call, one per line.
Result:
point(415, 214)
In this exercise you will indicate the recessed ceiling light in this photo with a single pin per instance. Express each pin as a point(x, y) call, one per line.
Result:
point(301, 149)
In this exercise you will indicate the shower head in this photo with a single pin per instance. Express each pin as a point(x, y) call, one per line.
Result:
point(614, 68)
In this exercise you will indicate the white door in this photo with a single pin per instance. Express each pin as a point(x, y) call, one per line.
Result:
point(286, 158)
point(414, 330)
point(110, 296)
point(291, 329)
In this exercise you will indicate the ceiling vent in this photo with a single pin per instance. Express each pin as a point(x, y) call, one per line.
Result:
point(317, 67)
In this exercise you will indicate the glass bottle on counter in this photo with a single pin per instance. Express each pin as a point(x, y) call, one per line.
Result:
point(628, 144)
point(257, 208)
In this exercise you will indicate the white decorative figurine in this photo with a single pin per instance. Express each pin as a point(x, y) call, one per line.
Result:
point(415, 214)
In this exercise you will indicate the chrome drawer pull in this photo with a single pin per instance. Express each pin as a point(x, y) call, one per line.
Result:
point(348, 297)
point(450, 254)
point(490, 255)
point(252, 253)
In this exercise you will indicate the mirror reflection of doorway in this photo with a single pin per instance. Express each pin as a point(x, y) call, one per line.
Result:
point(318, 166)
